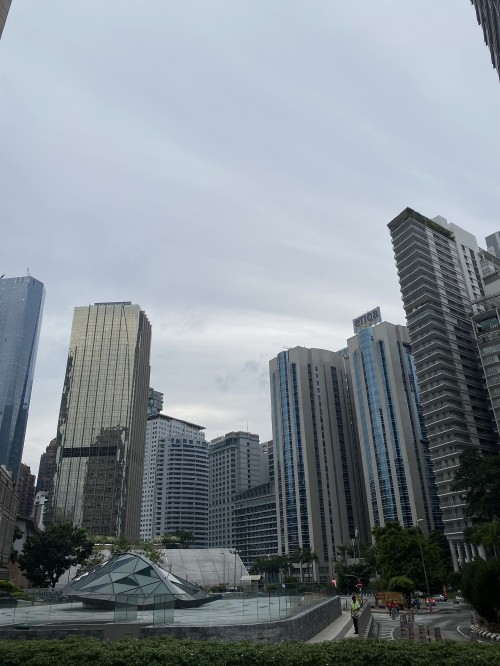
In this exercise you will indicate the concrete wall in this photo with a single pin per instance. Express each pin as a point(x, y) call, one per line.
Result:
point(365, 621)
point(301, 627)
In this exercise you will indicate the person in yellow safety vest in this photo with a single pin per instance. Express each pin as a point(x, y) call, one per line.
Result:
point(355, 606)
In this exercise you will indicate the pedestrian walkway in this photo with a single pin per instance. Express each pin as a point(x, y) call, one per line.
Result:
point(340, 628)
point(383, 626)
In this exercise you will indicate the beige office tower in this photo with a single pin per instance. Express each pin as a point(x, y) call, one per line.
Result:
point(320, 501)
point(97, 480)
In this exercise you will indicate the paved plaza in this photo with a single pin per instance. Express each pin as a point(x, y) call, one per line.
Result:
point(226, 611)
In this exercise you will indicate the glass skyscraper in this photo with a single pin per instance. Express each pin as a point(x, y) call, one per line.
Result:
point(399, 478)
point(97, 481)
point(21, 305)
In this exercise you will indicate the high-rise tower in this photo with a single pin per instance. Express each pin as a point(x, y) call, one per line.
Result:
point(320, 503)
point(100, 439)
point(399, 480)
point(234, 465)
point(488, 16)
point(439, 267)
point(175, 481)
point(4, 10)
point(21, 305)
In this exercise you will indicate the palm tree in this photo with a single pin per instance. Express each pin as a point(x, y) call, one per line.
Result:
point(487, 535)
point(308, 557)
point(303, 556)
point(296, 556)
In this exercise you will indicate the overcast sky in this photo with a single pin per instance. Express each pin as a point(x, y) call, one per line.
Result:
point(231, 166)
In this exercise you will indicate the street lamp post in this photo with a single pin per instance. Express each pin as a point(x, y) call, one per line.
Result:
point(233, 550)
point(419, 520)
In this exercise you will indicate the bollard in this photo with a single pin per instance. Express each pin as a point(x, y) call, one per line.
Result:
point(437, 633)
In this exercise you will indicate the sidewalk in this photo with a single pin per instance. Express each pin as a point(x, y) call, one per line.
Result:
point(340, 628)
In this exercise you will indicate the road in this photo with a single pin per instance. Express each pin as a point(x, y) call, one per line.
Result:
point(454, 623)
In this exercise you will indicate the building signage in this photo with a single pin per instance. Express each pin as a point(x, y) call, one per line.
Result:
point(366, 320)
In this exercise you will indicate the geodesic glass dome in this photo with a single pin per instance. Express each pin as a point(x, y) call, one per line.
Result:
point(133, 575)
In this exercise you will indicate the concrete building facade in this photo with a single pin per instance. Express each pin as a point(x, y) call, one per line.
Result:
point(234, 464)
point(255, 523)
point(320, 502)
point(99, 464)
point(175, 480)
point(8, 513)
point(25, 488)
point(439, 269)
point(46, 467)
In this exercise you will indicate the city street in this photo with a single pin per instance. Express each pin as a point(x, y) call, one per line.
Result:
point(453, 621)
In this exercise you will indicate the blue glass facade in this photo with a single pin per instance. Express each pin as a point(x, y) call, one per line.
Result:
point(377, 424)
point(21, 305)
point(399, 481)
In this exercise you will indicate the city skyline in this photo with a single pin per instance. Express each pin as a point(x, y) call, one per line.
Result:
point(248, 160)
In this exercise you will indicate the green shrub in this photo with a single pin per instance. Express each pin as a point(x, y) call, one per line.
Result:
point(8, 587)
point(171, 652)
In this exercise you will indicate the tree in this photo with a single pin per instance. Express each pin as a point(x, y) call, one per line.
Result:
point(481, 587)
point(46, 556)
point(148, 549)
point(93, 560)
point(368, 555)
point(478, 477)
point(120, 545)
point(178, 539)
point(348, 576)
point(270, 566)
point(404, 585)
point(405, 552)
point(303, 556)
point(442, 543)
point(487, 535)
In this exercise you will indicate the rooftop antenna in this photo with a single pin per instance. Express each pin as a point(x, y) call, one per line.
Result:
point(28, 270)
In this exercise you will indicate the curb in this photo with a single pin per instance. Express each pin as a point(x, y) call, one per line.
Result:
point(484, 634)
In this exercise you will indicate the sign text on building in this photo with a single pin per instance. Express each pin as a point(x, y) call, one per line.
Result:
point(366, 320)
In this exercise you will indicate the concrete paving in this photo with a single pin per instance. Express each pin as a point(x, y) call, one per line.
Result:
point(341, 628)
point(226, 611)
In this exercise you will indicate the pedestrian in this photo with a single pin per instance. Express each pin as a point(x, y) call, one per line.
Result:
point(355, 606)
point(389, 607)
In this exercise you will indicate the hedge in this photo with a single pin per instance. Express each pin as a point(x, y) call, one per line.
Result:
point(170, 652)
